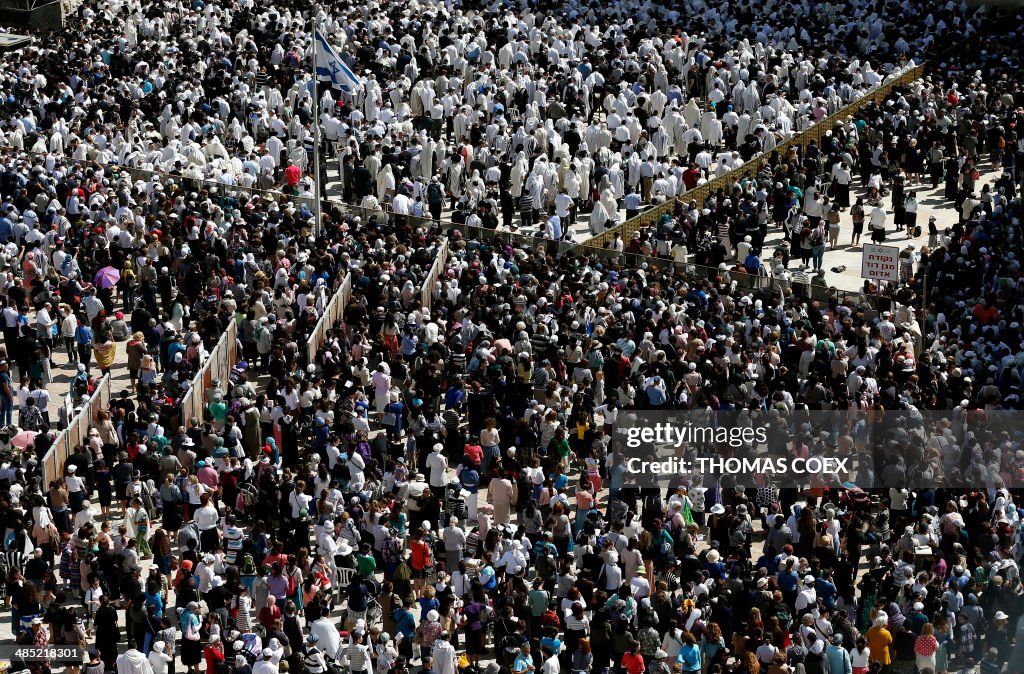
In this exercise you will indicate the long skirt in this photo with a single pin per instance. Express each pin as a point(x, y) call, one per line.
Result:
point(172, 518)
point(191, 652)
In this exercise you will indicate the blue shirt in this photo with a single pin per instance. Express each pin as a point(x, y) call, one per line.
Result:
point(838, 660)
point(689, 658)
point(655, 395)
point(453, 397)
point(617, 476)
point(405, 623)
point(826, 592)
point(787, 581)
point(5, 378)
point(83, 335)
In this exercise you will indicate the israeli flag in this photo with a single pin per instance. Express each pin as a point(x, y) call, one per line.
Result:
point(330, 67)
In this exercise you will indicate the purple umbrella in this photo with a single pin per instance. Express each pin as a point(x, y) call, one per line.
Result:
point(107, 277)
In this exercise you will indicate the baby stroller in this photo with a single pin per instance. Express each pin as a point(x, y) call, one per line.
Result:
point(374, 612)
point(858, 500)
point(248, 495)
point(252, 646)
point(455, 502)
point(236, 372)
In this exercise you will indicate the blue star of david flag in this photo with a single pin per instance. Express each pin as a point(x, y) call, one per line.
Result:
point(330, 67)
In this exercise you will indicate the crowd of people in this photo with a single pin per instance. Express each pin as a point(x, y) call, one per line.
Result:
point(440, 488)
point(955, 130)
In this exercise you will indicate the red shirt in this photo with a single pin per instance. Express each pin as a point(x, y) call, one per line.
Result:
point(214, 656)
point(420, 555)
point(474, 453)
point(633, 663)
point(208, 476)
point(267, 616)
point(292, 174)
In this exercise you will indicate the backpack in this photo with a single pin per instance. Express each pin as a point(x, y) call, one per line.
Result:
point(81, 385)
point(147, 499)
point(785, 620)
point(264, 339)
point(248, 566)
point(291, 582)
point(435, 195)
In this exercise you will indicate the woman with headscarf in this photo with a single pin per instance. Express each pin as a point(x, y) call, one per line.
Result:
point(106, 354)
point(880, 640)
point(191, 644)
point(136, 352)
point(159, 660)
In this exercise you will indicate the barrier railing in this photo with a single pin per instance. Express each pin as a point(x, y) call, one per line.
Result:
point(743, 280)
point(750, 169)
point(427, 296)
point(499, 237)
point(211, 186)
point(333, 312)
point(217, 366)
point(77, 431)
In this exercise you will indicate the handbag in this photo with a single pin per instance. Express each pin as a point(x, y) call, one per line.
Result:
point(389, 419)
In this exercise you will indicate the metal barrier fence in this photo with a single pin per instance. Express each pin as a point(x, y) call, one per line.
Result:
point(427, 296)
point(218, 366)
point(75, 434)
point(743, 280)
point(499, 237)
point(210, 186)
point(333, 312)
point(750, 169)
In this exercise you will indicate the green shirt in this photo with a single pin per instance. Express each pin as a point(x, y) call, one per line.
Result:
point(219, 411)
point(538, 601)
point(365, 565)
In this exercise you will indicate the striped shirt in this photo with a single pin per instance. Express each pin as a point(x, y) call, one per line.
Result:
point(233, 538)
point(358, 657)
point(314, 661)
point(574, 624)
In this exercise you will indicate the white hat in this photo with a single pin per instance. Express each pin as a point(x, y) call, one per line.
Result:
point(433, 616)
point(717, 509)
point(714, 556)
point(808, 579)
point(72, 468)
point(1000, 616)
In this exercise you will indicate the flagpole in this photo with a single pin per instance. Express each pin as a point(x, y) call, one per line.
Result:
point(318, 215)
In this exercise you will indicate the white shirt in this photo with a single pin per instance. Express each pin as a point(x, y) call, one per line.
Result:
point(613, 576)
point(438, 466)
point(262, 667)
point(207, 518)
point(298, 502)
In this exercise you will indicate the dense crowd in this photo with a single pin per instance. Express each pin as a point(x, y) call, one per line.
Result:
point(440, 489)
point(943, 131)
